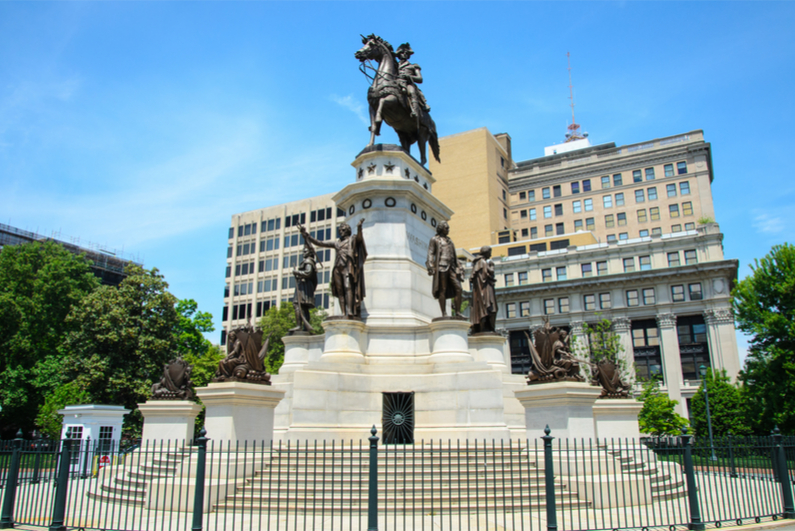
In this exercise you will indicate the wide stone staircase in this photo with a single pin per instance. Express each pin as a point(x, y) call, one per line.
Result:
point(666, 478)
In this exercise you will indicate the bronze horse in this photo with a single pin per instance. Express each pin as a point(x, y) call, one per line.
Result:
point(389, 103)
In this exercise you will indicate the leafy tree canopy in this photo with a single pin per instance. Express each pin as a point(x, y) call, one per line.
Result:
point(276, 322)
point(123, 336)
point(658, 416)
point(726, 407)
point(191, 327)
point(764, 307)
point(48, 420)
point(40, 283)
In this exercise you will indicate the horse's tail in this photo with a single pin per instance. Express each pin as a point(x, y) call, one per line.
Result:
point(433, 140)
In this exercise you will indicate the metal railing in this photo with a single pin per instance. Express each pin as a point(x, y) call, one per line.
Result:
point(557, 484)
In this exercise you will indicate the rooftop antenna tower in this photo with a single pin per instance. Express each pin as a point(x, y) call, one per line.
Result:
point(574, 128)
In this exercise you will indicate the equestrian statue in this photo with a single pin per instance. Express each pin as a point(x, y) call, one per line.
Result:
point(394, 96)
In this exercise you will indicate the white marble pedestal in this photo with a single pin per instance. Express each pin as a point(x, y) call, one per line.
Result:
point(566, 407)
point(239, 411)
point(617, 418)
point(169, 420)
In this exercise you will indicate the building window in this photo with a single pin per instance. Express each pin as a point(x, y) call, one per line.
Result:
point(556, 191)
point(228, 271)
point(678, 293)
point(504, 237)
point(549, 306)
point(548, 230)
point(656, 231)
point(524, 309)
point(684, 188)
point(590, 224)
point(645, 263)
point(617, 180)
point(522, 196)
point(523, 214)
point(648, 296)
point(561, 272)
point(687, 208)
point(576, 207)
point(669, 170)
point(695, 291)
point(693, 348)
point(505, 213)
point(575, 187)
point(577, 225)
point(533, 232)
point(637, 177)
point(673, 210)
point(546, 274)
point(559, 209)
point(606, 181)
point(644, 233)
point(654, 213)
point(639, 198)
point(231, 232)
point(545, 193)
point(649, 174)
point(609, 222)
point(604, 301)
point(601, 268)
point(559, 229)
point(632, 297)
point(522, 278)
point(547, 212)
point(607, 201)
point(589, 302)
point(652, 192)
point(531, 195)
point(673, 259)
point(588, 204)
point(563, 305)
point(587, 270)
point(504, 195)
point(510, 310)
point(621, 217)
point(532, 213)
point(681, 168)
point(676, 228)
point(642, 215)
point(690, 226)
point(629, 265)
point(586, 185)
point(646, 349)
point(671, 190)
point(524, 233)
point(611, 238)
point(509, 279)
point(620, 199)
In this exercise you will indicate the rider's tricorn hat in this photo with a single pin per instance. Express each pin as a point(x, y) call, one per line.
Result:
point(405, 47)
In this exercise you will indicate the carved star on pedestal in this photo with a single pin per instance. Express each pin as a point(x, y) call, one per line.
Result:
point(371, 168)
point(360, 173)
point(408, 174)
point(389, 166)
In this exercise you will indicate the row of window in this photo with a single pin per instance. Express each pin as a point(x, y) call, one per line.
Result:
point(272, 264)
point(244, 310)
point(607, 201)
point(610, 221)
point(629, 264)
point(617, 180)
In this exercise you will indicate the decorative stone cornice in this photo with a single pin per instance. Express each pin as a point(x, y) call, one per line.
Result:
point(666, 320)
point(576, 327)
point(622, 324)
point(719, 316)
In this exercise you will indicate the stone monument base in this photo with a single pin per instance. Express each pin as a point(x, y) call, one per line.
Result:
point(169, 420)
point(617, 418)
point(238, 411)
point(566, 407)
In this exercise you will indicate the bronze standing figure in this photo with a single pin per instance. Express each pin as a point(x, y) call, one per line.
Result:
point(447, 272)
point(483, 313)
point(305, 285)
point(395, 98)
point(347, 276)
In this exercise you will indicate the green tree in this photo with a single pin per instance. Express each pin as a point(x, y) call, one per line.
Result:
point(191, 327)
point(48, 419)
point(276, 322)
point(726, 407)
point(658, 416)
point(204, 366)
point(764, 307)
point(123, 336)
point(40, 283)
point(604, 343)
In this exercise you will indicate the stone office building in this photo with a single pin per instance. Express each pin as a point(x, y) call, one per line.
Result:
point(621, 232)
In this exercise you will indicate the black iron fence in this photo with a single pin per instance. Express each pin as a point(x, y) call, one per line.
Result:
point(545, 484)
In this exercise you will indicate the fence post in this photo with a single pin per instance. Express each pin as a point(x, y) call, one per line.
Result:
point(549, 480)
point(733, 473)
point(198, 492)
point(86, 447)
point(36, 457)
point(783, 473)
point(692, 491)
point(61, 487)
point(7, 517)
point(372, 494)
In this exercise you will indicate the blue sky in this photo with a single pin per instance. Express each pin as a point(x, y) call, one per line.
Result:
point(144, 126)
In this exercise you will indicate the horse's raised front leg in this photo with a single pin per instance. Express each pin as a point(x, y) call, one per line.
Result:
point(372, 125)
point(378, 117)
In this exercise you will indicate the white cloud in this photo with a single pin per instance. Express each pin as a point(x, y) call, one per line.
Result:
point(354, 105)
point(768, 222)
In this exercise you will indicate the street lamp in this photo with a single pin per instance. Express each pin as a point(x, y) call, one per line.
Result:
point(703, 371)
